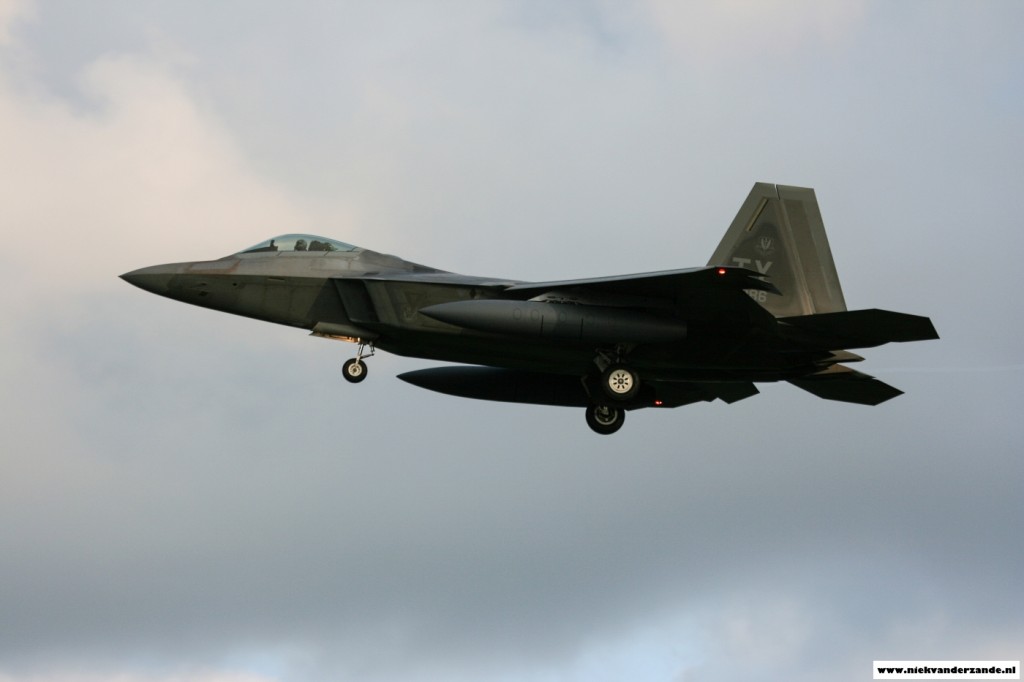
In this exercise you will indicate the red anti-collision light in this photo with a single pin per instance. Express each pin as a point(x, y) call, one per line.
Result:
point(722, 271)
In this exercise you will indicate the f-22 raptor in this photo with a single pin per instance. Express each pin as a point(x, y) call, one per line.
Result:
point(767, 307)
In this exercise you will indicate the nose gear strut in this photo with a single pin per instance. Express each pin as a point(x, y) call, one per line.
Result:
point(354, 370)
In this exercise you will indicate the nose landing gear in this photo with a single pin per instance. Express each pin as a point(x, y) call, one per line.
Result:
point(354, 370)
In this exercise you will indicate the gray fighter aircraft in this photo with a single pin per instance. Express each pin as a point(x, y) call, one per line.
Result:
point(767, 307)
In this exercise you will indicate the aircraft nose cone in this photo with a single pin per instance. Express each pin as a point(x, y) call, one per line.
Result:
point(154, 279)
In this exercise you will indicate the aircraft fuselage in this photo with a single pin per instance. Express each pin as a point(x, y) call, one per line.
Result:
point(385, 296)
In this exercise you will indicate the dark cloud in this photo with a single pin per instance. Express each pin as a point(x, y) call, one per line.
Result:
point(187, 491)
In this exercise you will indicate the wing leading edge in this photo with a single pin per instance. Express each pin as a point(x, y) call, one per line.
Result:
point(664, 283)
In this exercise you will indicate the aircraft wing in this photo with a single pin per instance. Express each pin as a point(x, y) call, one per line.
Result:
point(665, 283)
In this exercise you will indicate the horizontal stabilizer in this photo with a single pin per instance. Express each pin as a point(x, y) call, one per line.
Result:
point(858, 328)
point(847, 385)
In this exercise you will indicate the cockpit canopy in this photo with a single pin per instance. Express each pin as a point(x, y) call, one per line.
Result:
point(299, 242)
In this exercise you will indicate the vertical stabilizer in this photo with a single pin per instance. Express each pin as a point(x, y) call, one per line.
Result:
point(779, 233)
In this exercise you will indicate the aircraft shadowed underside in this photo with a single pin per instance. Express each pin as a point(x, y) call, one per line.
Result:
point(767, 307)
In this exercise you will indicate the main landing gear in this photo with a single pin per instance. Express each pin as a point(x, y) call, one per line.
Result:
point(605, 419)
point(354, 370)
point(620, 383)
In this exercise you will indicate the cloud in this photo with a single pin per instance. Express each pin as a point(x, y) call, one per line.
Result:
point(10, 12)
point(184, 491)
point(134, 170)
point(190, 676)
point(143, 170)
point(736, 32)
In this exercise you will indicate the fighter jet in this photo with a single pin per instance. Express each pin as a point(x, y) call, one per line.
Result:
point(767, 307)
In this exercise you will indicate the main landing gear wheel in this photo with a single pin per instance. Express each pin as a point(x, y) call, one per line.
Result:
point(604, 419)
point(620, 382)
point(354, 370)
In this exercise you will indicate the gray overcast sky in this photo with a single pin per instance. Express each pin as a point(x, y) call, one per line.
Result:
point(187, 495)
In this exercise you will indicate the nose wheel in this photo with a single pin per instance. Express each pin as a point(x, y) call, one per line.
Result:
point(605, 419)
point(354, 370)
